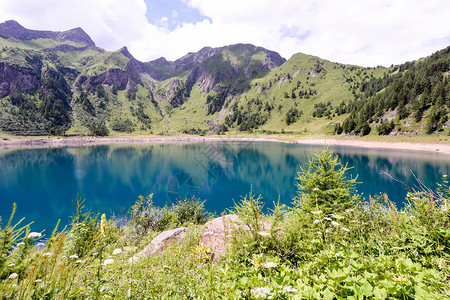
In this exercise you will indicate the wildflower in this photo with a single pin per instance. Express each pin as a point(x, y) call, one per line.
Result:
point(108, 261)
point(316, 212)
point(245, 245)
point(208, 233)
point(316, 221)
point(412, 217)
point(269, 265)
point(316, 189)
point(261, 293)
point(263, 233)
point(12, 276)
point(366, 202)
point(11, 265)
point(334, 223)
point(38, 280)
point(20, 244)
point(74, 256)
point(104, 225)
point(448, 276)
point(229, 236)
point(80, 261)
point(319, 233)
point(40, 244)
point(117, 251)
point(166, 267)
point(328, 219)
point(94, 254)
point(34, 235)
point(288, 289)
point(14, 285)
point(47, 254)
point(345, 229)
point(256, 261)
point(338, 217)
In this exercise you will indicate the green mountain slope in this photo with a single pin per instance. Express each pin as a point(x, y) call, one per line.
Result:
point(61, 83)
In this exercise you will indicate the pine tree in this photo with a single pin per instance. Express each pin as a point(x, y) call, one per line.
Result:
point(323, 185)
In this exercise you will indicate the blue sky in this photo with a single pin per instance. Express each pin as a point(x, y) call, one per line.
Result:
point(366, 33)
point(172, 13)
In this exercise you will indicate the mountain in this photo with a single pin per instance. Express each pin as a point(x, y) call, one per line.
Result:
point(61, 83)
point(12, 29)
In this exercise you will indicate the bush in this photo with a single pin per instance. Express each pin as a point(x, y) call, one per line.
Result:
point(190, 210)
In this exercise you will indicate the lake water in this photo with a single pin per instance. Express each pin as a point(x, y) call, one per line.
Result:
point(44, 182)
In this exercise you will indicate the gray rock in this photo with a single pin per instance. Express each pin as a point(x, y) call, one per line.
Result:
point(160, 242)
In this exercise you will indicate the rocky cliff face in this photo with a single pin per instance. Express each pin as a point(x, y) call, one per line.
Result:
point(78, 83)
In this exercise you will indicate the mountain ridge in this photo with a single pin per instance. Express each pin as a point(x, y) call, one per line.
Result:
point(240, 87)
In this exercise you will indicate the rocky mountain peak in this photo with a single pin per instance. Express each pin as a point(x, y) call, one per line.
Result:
point(12, 29)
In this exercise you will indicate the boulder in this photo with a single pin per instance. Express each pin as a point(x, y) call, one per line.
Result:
point(160, 242)
point(218, 232)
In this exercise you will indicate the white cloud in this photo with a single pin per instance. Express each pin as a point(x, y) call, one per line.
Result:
point(370, 32)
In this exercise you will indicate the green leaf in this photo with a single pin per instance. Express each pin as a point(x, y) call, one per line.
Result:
point(380, 293)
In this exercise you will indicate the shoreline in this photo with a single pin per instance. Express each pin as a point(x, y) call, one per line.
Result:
point(37, 142)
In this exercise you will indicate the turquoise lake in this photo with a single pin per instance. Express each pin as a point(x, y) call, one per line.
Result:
point(43, 182)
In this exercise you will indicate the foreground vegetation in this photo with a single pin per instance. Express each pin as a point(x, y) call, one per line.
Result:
point(329, 244)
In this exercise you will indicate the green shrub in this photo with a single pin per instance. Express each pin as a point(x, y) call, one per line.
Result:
point(190, 210)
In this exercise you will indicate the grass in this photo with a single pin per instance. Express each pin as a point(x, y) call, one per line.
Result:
point(315, 249)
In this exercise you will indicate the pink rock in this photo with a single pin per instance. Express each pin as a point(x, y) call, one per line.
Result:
point(218, 232)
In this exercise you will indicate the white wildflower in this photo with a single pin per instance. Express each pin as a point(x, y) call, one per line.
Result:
point(328, 219)
point(262, 293)
point(412, 217)
point(133, 259)
point(264, 233)
point(345, 229)
point(338, 217)
point(20, 244)
point(108, 261)
point(229, 236)
point(74, 256)
point(117, 251)
point(80, 261)
point(245, 245)
point(94, 254)
point(208, 233)
point(40, 244)
point(47, 254)
point(316, 189)
point(316, 221)
point(12, 276)
point(11, 265)
point(319, 233)
point(288, 289)
point(34, 235)
point(334, 223)
point(270, 264)
point(38, 280)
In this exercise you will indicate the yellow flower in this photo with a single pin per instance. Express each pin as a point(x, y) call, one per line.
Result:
point(104, 225)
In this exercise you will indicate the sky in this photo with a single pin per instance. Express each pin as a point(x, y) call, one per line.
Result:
point(362, 32)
